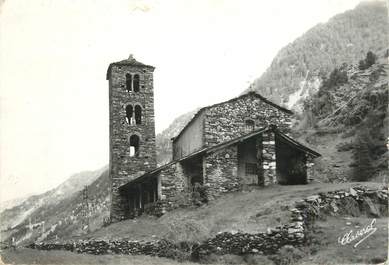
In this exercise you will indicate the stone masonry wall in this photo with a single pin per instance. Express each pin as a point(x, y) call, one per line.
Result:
point(124, 168)
point(226, 121)
point(269, 158)
point(221, 169)
point(173, 183)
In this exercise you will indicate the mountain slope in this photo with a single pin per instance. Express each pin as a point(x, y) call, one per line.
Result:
point(39, 216)
point(347, 122)
point(298, 68)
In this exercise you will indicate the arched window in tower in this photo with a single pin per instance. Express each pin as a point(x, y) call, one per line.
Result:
point(249, 125)
point(130, 114)
point(128, 82)
point(136, 83)
point(138, 114)
point(134, 145)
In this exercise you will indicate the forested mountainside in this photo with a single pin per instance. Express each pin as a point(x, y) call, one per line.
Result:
point(347, 121)
point(298, 68)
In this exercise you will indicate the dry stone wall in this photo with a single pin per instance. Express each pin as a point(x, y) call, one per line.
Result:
point(354, 201)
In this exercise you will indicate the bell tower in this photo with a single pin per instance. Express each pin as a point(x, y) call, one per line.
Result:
point(132, 150)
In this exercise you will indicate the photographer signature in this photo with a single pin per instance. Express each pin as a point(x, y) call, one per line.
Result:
point(361, 234)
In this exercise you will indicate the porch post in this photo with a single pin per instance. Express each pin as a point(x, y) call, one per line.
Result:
point(269, 158)
point(309, 168)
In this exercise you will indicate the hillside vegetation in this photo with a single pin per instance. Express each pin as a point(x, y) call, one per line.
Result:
point(347, 122)
point(346, 38)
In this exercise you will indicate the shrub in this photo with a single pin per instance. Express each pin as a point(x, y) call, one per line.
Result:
point(370, 59)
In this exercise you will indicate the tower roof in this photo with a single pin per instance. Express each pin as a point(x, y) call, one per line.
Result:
point(130, 61)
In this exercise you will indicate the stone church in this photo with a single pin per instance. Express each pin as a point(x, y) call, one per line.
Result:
point(224, 148)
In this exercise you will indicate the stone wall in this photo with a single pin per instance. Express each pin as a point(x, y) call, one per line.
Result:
point(173, 186)
point(157, 208)
point(354, 201)
point(124, 168)
point(221, 172)
point(158, 248)
point(269, 158)
point(226, 121)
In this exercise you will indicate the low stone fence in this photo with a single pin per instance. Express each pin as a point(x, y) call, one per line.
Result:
point(100, 247)
point(354, 201)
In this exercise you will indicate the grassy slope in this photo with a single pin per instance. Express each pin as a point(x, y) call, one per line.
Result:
point(332, 166)
point(372, 250)
point(242, 211)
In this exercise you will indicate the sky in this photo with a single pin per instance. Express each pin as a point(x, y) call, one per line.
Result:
point(54, 55)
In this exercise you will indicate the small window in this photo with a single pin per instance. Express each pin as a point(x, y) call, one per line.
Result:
point(134, 146)
point(128, 82)
point(251, 169)
point(249, 125)
point(138, 114)
point(130, 114)
point(136, 83)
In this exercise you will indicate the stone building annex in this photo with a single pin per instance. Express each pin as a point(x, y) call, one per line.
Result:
point(224, 148)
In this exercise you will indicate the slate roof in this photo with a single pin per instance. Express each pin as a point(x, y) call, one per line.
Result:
point(207, 150)
point(130, 61)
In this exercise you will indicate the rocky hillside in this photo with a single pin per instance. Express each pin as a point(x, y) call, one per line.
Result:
point(60, 211)
point(297, 70)
point(347, 121)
